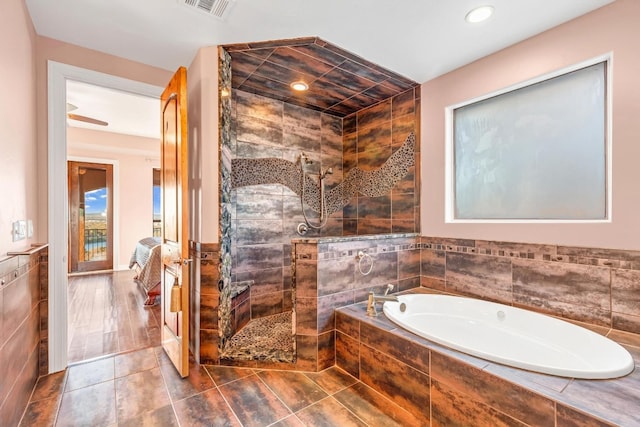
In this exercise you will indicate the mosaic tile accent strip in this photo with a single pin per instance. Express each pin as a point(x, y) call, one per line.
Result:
point(616, 258)
point(225, 325)
point(375, 183)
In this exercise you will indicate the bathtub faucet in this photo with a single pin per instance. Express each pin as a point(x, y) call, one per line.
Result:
point(373, 299)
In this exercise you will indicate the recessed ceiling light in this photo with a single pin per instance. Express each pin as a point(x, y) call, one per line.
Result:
point(479, 14)
point(299, 86)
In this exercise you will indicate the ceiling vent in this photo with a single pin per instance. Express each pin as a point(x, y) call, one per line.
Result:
point(218, 8)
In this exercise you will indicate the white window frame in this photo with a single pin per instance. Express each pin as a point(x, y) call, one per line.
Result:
point(450, 144)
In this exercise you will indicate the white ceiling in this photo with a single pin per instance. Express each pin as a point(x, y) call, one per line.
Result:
point(124, 112)
point(420, 39)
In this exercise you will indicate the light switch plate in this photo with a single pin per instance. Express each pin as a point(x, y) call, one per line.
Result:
point(29, 229)
point(19, 230)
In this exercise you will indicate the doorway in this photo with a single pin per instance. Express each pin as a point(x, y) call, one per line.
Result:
point(60, 335)
point(90, 216)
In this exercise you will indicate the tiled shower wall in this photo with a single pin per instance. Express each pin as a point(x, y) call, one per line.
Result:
point(591, 285)
point(23, 327)
point(265, 217)
point(370, 137)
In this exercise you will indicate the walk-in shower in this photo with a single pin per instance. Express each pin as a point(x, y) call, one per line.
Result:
point(307, 182)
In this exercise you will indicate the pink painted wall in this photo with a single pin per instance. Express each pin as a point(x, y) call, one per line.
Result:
point(613, 28)
point(202, 87)
point(18, 162)
point(55, 50)
point(136, 157)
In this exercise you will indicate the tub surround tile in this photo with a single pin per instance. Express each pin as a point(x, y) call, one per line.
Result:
point(489, 389)
point(348, 354)
point(578, 292)
point(467, 388)
point(407, 352)
point(347, 324)
point(625, 291)
point(375, 409)
point(591, 285)
point(613, 400)
point(409, 388)
point(601, 253)
point(432, 264)
point(548, 385)
point(485, 277)
point(326, 350)
point(569, 417)
point(450, 407)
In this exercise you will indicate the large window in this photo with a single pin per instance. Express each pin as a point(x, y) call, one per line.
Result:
point(535, 153)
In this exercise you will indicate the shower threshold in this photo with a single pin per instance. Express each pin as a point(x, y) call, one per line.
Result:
point(267, 338)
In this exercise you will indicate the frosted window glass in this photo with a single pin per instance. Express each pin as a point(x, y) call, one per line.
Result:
point(538, 152)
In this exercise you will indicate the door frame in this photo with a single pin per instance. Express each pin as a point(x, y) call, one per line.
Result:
point(115, 196)
point(57, 209)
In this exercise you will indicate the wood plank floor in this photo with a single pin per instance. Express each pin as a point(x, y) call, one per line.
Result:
point(107, 315)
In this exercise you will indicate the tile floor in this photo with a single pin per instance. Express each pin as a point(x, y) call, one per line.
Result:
point(141, 388)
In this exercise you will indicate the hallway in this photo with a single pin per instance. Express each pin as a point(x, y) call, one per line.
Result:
point(107, 316)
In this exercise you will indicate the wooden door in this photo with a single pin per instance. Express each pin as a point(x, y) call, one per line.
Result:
point(90, 216)
point(175, 246)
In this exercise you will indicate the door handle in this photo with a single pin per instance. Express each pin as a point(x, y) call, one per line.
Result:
point(184, 261)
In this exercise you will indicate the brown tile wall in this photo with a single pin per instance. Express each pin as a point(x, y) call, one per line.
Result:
point(21, 337)
point(444, 387)
point(370, 136)
point(205, 296)
point(265, 217)
point(327, 277)
point(591, 285)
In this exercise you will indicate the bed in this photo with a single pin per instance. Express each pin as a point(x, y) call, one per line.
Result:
point(146, 259)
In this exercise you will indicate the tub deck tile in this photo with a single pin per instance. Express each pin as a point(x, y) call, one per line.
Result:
point(616, 400)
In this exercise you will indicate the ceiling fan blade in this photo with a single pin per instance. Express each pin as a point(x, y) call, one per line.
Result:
point(87, 119)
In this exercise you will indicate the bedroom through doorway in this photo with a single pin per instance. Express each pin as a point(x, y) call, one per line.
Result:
point(113, 153)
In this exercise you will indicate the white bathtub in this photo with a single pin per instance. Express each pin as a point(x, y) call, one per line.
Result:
point(511, 336)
